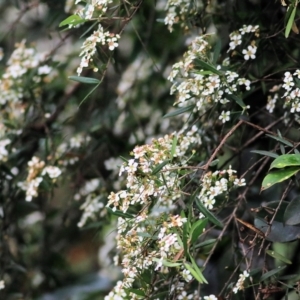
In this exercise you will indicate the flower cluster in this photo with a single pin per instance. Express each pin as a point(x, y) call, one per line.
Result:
point(202, 88)
point(292, 90)
point(178, 12)
point(217, 183)
point(143, 182)
point(89, 47)
point(149, 239)
point(21, 61)
point(67, 152)
point(98, 7)
point(92, 203)
point(236, 40)
point(36, 174)
point(240, 283)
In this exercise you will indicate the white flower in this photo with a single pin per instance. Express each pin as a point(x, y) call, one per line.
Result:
point(3, 151)
point(297, 73)
point(53, 172)
point(295, 107)
point(249, 52)
point(239, 182)
point(225, 116)
point(210, 297)
point(44, 70)
point(2, 284)
point(112, 43)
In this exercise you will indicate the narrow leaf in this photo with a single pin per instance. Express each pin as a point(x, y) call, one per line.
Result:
point(167, 263)
point(238, 100)
point(120, 213)
point(174, 144)
point(194, 273)
point(197, 269)
point(87, 80)
point(280, 139)
point(160, 166)
point(290, 22)
point(265, 153)
point(271, 273)
point(179, 111)
point(278, 256)
point(211, 217)
point(207, 66)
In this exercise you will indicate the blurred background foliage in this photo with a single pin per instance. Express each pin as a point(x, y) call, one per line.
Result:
point(45, 255)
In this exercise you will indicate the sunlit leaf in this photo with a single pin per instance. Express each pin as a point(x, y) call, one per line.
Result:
point(278, 176)
point(87, 80)
point(72, 20)
point(290, 22)
point(197, 229)
point(286, 160)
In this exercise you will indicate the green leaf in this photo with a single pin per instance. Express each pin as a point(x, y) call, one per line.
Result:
point(195, 274)
point(167, 263)
point(290, 22)
point(265, 153)
point(197, 229)
point(197, 269)
point(174, 144)
point(217, 51)
point(185, 234)
point(278, 176)
point(280, 139)
point(178, 111)
point(120, 213)
point(292, 212)
point(278, 256)
point(160, 166)
point(214, 163)
point(271, 273)
point(205, 243)
point(137, 292)
point(206, 66)
point(72, 20)
point(211, 217)
point(87, 80)
point(238, 100)
point(286, 160)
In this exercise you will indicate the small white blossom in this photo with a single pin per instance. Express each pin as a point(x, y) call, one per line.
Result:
point(249, 52)
point(225, 116)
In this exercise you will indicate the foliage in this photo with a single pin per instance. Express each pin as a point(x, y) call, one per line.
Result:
point(163, 135)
